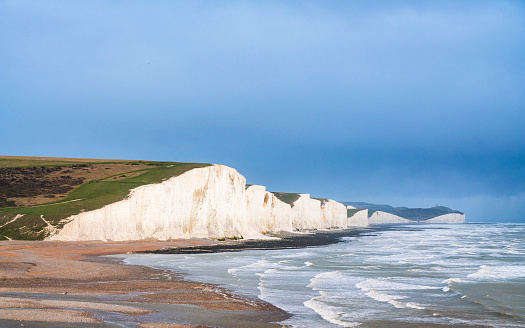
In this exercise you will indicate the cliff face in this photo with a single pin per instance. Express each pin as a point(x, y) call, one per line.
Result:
point(334, 214)
point(265, 212)
point(208, 202)
point(379, 217)
point(213, 202)
point(413, 214)
point(447, 218)
point(306, 213)
point(356, 217)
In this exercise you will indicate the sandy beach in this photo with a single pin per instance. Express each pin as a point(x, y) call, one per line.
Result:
point(68, 284)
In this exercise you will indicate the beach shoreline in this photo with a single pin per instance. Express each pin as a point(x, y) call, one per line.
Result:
point(70, 284)
point(75, 284)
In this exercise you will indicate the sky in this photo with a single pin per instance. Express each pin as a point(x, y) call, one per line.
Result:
point(406, 103)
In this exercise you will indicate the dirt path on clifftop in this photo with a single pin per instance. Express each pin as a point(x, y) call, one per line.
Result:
point(67, 284)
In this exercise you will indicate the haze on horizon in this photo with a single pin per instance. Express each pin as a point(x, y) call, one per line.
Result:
point(406, 103)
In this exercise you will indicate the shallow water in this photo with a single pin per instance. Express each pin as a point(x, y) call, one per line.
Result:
point(424, 275)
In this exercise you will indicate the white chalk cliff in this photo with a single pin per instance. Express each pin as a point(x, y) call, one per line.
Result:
point(208, 202)
point(359, 218)
point(379, 217)
point(213, 202)
point(266, 211)
point(447, 218)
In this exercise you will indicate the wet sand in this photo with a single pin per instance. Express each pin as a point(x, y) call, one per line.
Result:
point(68, 284)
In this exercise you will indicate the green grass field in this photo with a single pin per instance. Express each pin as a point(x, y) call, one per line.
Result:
point(89, 196)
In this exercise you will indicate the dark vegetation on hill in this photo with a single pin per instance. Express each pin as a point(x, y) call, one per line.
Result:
point(38, 194)
point(18, 182)
point(322, 200)
point(288, 198)
point(352, 211)
point(414, 214)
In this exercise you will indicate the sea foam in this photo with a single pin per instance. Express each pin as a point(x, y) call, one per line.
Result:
point(327, 312)
point(407, 281)
point(501, 272)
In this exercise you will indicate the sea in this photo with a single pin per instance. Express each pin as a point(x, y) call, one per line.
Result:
point(427, 275)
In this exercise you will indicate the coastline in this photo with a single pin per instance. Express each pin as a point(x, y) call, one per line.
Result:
point(69, 284)
point(403, 276)
point(74, 284)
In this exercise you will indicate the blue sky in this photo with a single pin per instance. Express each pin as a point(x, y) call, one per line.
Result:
point(407, 103)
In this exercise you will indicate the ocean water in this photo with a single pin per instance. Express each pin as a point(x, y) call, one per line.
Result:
point(469, 275)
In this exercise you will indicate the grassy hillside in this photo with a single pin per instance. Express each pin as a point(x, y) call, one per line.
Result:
point(414, 214)
point(48, 190)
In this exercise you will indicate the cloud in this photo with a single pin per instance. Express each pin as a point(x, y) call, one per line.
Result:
point(339, 99)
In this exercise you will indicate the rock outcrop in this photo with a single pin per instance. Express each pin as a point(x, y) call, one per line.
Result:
point(208, 202)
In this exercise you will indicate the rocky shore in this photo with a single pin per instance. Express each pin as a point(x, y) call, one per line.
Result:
point(277, 241)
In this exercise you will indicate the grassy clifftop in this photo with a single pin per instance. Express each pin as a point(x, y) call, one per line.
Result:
point(38, 193)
